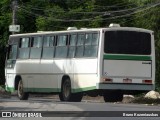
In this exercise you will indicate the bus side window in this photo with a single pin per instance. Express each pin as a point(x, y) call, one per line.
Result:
point(91, 45)
point(46, 42)
point(95, 39)
point(72, 46)
point(88, 39)
point(80, 45)
point(23, 48)
point(36, 47)
point(48, 47)
point(12, 52)
point(61, 48)
point(36, 42)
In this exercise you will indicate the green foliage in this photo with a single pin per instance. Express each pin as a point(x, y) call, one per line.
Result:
point(151, 20)
point(52, 15)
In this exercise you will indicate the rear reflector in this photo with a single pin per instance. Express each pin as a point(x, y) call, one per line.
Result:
point(147, 81)
point(107, 80)
point(127, 80)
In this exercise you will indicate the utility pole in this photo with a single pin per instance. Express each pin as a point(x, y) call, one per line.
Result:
point(14, 27)
point(14, 10)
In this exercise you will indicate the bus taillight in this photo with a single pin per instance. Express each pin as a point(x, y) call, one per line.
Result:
point(147, 81)
point(109, 80)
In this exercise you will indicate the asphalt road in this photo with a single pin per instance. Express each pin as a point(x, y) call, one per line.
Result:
point(35, 104)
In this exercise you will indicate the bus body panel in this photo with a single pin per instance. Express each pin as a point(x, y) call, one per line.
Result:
point(10, 81)
point(126, 68)
point(46, 75)
point(10, 74)
point(85, 73)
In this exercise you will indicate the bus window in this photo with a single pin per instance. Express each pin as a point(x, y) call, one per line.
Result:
point(36, 42)
point(72, 47)
point(95, 39)
point(61, 48)
point(81, 39)
point(73, 39)
point(62, 40)
point(91, 45)
point(23, 52)
point(48, 53)
point(80, 45)
point(127, 42)
point(36, 48)
point(88, 39)
point(79, 51)
point(46, 42)
point(52, 41)
point(24, 43)
point(90, 51)
point(48, 48)
point(71, 51)
point(12, 52)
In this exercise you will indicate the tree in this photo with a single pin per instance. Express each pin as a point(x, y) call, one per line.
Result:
point(150, 19)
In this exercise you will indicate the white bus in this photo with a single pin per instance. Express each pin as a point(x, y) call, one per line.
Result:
point(102, 61)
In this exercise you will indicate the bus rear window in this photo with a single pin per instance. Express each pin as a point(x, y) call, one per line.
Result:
point(127, 42)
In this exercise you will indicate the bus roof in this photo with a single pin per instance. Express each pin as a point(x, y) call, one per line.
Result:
point(84, 30)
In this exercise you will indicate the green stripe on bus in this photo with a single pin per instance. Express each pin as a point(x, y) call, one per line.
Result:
point(126, 57)
point(9, 89)
point(57, 89)
point(83, 89)
point(41, 89)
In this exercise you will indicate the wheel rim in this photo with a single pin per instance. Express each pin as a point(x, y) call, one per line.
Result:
point(20, 89)
point(67, 88)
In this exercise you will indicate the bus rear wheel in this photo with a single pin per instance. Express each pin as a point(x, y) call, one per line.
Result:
point(21, 94)
point(113, 96)
point(66, 95)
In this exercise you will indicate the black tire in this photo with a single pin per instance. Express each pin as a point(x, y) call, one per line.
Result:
point(65, 94)
point(61, 97)
point(21, 94)
point(113, 96)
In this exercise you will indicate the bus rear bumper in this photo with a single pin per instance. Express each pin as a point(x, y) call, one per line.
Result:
point(120, 86)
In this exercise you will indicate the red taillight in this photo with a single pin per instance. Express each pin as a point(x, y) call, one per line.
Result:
point(127, 80)
point(107, 80)
point(147, 81)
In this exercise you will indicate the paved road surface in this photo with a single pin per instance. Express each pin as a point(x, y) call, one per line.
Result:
point(50, 104)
